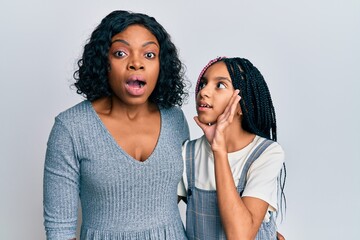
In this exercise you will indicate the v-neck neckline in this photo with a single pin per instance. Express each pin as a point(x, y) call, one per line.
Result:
point(148, 160)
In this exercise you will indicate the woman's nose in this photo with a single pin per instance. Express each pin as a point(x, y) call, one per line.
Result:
point(135, 64)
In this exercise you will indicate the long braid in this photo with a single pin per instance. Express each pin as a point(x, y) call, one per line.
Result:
point(255, 97)
point(257, 106)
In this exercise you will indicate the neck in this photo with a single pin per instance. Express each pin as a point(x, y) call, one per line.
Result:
point(237, 138)
point(114, 108)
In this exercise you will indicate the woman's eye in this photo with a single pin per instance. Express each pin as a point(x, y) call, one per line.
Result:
point(120, 54)
point(221, 85)
point(150, 55)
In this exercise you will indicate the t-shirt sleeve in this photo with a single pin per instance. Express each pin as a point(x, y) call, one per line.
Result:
point(263, 174)
point(181, 190)
point(185, 128)
point(183, 185)
point(61, 185)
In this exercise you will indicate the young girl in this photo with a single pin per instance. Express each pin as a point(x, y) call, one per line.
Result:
point(231, 177)
point(119, 151)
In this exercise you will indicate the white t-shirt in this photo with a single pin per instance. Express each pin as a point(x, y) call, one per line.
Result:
point(261, 177)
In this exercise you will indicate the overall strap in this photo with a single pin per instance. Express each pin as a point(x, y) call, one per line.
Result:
point(190, 164)
point(254, 155)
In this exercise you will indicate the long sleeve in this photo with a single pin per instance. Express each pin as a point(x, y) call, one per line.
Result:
point(61, 185)
point(83, 161)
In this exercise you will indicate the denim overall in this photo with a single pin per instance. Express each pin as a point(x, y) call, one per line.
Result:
point(203, 220)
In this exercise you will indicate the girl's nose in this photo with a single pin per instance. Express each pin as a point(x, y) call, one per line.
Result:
point(205, 91)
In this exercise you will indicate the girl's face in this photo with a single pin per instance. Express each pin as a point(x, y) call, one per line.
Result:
point(134, 64)
point(215, 91)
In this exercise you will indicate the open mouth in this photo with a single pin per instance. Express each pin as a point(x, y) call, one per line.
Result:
point(204, 105)
point(136, 83)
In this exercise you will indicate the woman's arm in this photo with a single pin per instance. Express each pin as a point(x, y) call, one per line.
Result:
point(61, 185)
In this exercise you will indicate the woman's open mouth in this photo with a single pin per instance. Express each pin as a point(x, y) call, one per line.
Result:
point(135, 86)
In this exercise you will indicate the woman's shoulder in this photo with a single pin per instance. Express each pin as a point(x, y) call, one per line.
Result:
point(174, 115)
point(172, 111)
point(175, 123)
point(73, 110)
point(76, 113)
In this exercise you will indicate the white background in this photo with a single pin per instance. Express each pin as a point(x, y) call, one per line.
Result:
point(308, 51)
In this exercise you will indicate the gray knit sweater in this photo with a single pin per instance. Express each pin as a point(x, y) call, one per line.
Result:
point(121, 198)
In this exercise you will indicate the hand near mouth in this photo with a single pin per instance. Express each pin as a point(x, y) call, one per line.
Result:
point(208, 129)
point(215, 132)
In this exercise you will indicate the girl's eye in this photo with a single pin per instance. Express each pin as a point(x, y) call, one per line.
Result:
point(150, 55)
point(120, 54)
point(221, 85)
point(201, 85)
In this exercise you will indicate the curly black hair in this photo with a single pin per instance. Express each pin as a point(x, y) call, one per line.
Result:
point(91, 79)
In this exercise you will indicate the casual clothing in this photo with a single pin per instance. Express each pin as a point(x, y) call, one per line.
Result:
point(198, 184)
point(121, 198)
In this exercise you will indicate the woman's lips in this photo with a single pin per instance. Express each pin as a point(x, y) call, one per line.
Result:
point(135, 85)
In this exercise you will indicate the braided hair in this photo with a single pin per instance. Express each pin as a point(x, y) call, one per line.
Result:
point(256, 104)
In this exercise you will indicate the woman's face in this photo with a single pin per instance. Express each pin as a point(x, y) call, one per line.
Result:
point(215, 91)
point(134, 65)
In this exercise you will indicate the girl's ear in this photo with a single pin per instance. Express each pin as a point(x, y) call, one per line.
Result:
point(238, 110)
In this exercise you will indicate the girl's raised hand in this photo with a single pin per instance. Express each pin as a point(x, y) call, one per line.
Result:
point(208, 129)
point(215, 133)
point(223, 121)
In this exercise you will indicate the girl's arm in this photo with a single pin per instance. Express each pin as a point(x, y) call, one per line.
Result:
point(241, 217)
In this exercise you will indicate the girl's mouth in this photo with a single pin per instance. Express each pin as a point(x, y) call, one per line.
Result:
point(203, 107)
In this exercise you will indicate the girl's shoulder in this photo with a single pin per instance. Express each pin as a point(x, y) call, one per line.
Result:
point(198, 144)
point(273, 146)
point(272, 153)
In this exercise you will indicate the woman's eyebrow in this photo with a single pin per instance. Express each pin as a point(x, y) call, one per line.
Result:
point(128, 44)
point(149, 43)
point(121, 40)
